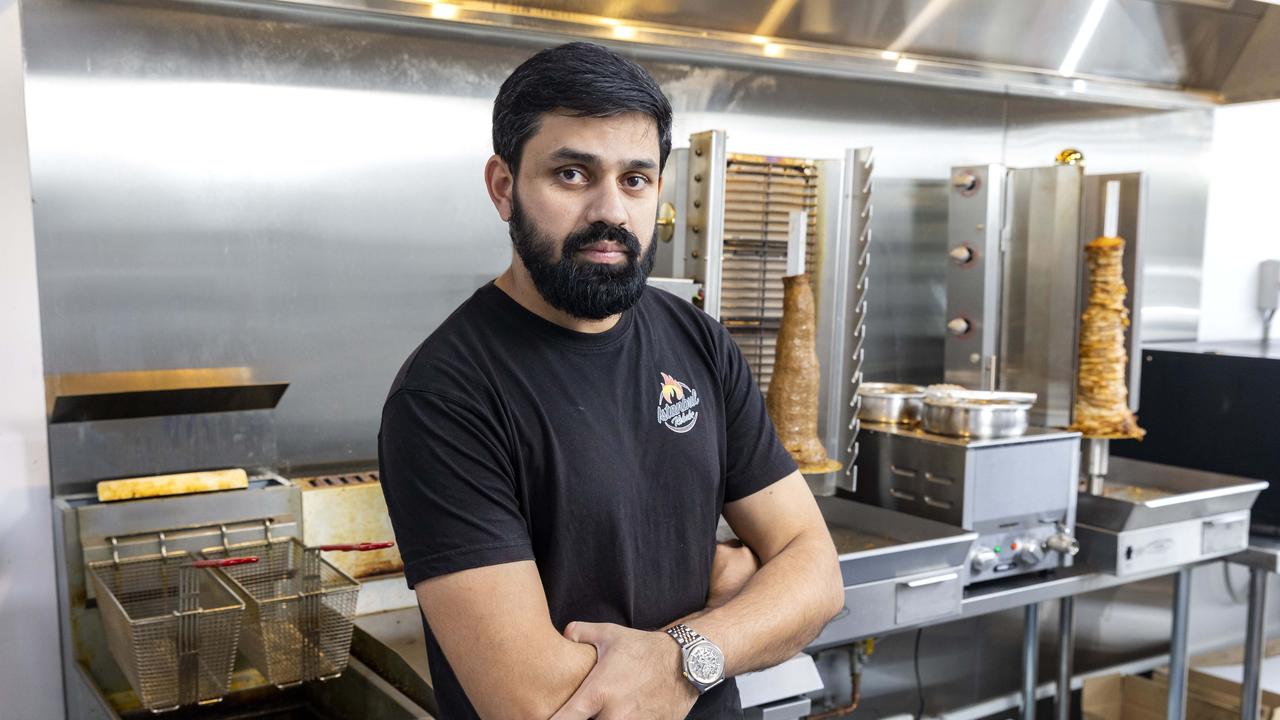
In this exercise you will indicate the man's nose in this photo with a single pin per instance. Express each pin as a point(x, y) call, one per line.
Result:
point(607, 205)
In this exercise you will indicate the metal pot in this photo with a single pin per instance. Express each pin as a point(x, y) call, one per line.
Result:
point(978, 414)
point(890, 403)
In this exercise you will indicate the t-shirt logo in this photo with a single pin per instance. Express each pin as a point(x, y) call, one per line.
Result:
point(676, 403)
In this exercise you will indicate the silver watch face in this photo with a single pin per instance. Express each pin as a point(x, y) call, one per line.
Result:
point(706, 663)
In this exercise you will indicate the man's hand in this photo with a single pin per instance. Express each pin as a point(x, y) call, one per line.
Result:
point(732, 567)
point(637, 675)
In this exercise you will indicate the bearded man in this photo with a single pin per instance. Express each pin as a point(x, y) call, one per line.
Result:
point(557, 454)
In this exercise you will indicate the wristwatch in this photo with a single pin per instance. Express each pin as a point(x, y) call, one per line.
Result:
point(703, 660)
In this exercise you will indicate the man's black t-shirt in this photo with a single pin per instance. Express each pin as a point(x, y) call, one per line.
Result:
point(606, 458)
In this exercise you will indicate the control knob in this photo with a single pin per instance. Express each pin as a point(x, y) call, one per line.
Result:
point(1063, 543)
point(965, 182)
point(1030, 553)
point(961, 254)
point(957, 326)
point(983, 559)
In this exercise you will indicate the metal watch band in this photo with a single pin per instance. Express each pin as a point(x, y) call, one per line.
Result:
point(683, 635)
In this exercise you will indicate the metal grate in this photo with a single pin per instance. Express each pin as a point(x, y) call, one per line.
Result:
point(760, 193)
point(326, 481)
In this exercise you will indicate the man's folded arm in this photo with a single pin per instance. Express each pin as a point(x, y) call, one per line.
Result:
point(797, 590)
point(496, 632)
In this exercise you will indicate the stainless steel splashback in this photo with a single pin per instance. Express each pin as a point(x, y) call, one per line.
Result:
point(216, 188)
point(1172, 152)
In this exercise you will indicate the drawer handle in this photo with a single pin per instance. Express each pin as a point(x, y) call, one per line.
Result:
point(901, 494)
point(901, 471)
point(939, 479)
point(1223, 522)
point(936, 579)
point(944, 504)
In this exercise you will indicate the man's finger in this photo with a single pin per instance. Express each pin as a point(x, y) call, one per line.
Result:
point(586, 632)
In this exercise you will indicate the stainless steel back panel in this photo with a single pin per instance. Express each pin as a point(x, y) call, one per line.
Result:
point(1040, 290)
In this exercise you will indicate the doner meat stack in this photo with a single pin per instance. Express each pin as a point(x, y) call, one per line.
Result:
point(793, 392)
point(1102, 395)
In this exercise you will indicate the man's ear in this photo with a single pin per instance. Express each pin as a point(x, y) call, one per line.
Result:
point(500, 183)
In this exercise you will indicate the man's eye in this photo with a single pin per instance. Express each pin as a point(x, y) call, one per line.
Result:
point(571, 175)
point(635, 182)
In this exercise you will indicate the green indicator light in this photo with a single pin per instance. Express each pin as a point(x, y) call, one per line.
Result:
point(997, 548)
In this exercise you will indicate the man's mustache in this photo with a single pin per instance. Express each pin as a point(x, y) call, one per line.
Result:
point(601, 231)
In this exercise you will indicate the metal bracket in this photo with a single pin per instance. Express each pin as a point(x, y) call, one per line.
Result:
point(861, 166)
point(708, 168)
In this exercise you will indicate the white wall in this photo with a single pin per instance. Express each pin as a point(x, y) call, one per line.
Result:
point(30, 665)
point(1243, 227)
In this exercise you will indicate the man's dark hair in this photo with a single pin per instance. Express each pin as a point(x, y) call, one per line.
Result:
point(584, 79)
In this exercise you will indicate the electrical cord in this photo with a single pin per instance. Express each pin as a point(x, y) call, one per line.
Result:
point(919, 684)
point(1236, 596)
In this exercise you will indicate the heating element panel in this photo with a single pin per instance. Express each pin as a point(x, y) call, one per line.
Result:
point(760, 194)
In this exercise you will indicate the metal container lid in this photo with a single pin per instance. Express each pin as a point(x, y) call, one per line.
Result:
point(949, 397)
point(879, 389)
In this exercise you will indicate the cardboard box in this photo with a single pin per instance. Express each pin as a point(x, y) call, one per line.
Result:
point(1130, 697)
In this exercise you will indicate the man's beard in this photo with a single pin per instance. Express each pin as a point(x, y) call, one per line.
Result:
point(585, 290)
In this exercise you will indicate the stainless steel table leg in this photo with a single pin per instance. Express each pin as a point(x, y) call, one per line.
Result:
point(1066, 648)
point(1178, 645)
point(1030, 654)
point(1254, 639)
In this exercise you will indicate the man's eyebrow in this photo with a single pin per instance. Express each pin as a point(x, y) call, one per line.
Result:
point(642, 165)
point(578, 156)
point(586, 158)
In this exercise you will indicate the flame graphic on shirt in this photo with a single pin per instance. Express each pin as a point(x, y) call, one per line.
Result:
point(671, 390)
point(677, 405)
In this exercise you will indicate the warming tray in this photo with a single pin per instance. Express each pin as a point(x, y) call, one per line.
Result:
point(1153, 516)
point(1141, 494)
point(898, 569)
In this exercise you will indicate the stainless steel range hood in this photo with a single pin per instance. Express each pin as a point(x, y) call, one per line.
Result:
point(1154, 53)
point(1211, 47)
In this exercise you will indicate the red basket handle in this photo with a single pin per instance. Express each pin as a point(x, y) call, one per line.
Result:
point(355, 547)
point(225, 562)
